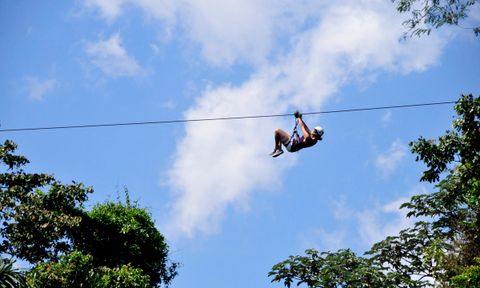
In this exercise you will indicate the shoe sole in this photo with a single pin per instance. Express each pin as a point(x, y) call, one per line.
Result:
point(277, 154)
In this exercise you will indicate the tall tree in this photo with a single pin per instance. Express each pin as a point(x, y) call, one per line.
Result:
point(450, 239)
point(34, 223)
point(44, 222)
point(338, 269)
point(121, 234)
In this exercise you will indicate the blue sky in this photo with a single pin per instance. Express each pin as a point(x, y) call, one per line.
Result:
point(228, 210)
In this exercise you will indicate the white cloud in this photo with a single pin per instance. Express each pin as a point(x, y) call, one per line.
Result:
point(374, 228)
point(232, 31)
point(218, 165)
point(110, 57)
point(326, 240)
point(387, 117)
point(110, 9)
point(155, 49)
point(37, 89)
point(376, 223)
point(225, 31)
point(373, 224)
point(387, 162)
point(340, 209)
point(168, 104)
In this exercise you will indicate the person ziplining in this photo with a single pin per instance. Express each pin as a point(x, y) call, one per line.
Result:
point(294, 142)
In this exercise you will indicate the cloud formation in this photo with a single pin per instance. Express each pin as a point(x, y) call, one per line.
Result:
point(218, 165)
point(386, 118)
point(387, 162)
point(373, 227)
point(375, 224)
point(37, 89)
point(226, 32)
point(110, 57)
point(325, 240)
point(109, 9)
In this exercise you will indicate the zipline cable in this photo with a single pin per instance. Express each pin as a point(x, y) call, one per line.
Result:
point(221, 118)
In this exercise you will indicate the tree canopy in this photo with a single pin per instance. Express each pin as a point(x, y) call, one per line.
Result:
point(36, 223)
point(125, 234)
point(44, 222)
point(340, 269)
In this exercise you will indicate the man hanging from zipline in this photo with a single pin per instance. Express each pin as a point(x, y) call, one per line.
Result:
point(294, 142)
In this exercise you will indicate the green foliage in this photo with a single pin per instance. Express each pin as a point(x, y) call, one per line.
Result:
point(72, 270)
point(450, 240)
point(9, 276)
point(136, 240)
point(124, 276)
point(412, 257)
point(340, 269)
point(44, 222)
point(469, 277)
point(77, 270)
point(35, 224)
point(429, 14)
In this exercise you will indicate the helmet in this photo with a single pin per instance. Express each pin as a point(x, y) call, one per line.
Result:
point(319, 131)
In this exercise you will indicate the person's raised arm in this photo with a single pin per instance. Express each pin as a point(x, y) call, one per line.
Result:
point(304, 127)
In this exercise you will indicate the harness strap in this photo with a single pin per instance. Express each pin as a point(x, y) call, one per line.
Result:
point(294, 132)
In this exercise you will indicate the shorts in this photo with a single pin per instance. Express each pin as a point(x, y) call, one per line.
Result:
point(288, 144)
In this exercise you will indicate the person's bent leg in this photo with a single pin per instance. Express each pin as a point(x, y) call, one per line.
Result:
point(280, 138)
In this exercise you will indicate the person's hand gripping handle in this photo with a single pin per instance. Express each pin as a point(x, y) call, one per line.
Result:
point(297, 114)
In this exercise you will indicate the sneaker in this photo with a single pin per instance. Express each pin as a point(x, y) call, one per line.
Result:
point(276, 153)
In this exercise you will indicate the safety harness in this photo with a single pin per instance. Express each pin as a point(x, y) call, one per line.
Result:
point(294, 132)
